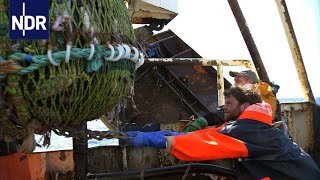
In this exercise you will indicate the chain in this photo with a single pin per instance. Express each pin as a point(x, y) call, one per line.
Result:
point(89, 134)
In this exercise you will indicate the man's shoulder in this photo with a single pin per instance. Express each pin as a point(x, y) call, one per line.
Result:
point(264, 88)
point(244, 127)
point(263, 107)
point(261, 112)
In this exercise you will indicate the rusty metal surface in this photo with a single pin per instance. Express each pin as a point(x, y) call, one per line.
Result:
point(299, 117)
point(105, 159)
point(177, 91)
point(304, 125)
point(160, 96)
point(253, 50)
point(300, 106)
point(142, 158)
point(156, 102)
point(182, 82)
point(61, 161)
point(202, 81)
point(295, 50)
point(50, 162)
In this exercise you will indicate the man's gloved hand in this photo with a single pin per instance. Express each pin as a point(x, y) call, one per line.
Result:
point(196, 124)
point(151, 139)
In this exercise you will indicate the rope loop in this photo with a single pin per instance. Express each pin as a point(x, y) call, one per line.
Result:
point(127, 51)
point(109, 58)
point(68, 49)
point(53, 62)
point(91, 52)
point(121, 51)
point(135, 56)
point(140, 61)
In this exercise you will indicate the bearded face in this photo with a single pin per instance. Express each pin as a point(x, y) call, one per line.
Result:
point(232, 108)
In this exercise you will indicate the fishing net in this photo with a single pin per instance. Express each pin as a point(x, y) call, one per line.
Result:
point(81, 72)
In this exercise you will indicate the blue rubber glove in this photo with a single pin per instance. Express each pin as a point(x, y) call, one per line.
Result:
point(151, 139)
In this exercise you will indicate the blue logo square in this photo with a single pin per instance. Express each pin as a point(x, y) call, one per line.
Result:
point(29, 19)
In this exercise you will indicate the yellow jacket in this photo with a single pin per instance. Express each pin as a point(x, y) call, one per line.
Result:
point(267, 96)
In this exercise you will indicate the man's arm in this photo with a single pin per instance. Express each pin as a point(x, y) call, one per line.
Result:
point(214, 117)
point(207, 144)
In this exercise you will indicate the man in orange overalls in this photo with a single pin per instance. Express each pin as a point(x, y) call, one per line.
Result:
point(262, 150)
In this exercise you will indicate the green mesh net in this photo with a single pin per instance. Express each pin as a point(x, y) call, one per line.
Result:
point(39, 84)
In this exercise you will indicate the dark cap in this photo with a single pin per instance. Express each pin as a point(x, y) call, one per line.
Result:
point(248, 73)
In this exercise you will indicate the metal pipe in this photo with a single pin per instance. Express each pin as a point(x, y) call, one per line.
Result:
point(197, 62)
point(220, 83)
point(253, 50)
point(165, 171)
point(183, 52)
point(295, 51)
point(164, 39)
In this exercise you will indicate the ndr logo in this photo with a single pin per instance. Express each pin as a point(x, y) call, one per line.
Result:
point(29, 19)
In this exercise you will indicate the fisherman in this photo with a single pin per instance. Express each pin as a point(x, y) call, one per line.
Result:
point(262, 151)
point(243, 78)
point(249, 78)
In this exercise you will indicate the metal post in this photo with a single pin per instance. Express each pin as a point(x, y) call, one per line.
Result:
point(124, 158)
point(253, 50)
point(295, 51)
point(220, 83)
point(80, 155)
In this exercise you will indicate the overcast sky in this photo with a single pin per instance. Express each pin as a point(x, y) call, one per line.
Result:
point(210, 29)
